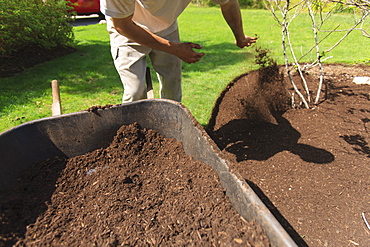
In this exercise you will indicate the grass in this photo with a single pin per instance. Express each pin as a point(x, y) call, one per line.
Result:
point(88, 77)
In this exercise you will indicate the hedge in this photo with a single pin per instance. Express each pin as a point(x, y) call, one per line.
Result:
point(34, 23)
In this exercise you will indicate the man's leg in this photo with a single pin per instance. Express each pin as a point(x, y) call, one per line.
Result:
point(168, 68)
point(132, 74)
point(130, 62)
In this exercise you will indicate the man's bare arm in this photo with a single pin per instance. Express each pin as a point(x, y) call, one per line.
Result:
point(232, 15)
point(127, 28)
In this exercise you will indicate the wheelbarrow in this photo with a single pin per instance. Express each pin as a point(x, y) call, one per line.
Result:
point(81, 132)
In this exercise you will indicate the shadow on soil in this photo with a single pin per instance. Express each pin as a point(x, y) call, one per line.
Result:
point(358, 143)
point(22, 205)
point(284, 223)
point(250, 140)
point(247, 120)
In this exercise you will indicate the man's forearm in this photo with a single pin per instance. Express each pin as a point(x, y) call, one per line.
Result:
point(184, 51)
point(127, 28)
point(232, 15)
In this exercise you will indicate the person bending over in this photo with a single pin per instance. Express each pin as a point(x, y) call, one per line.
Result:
point(148, 28)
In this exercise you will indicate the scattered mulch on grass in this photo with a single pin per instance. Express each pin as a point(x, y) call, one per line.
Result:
point(142, 190)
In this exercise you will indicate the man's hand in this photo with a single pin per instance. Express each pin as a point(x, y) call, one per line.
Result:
point(247, 41)
point(126, 27)
point(232, 15)
point(185, 52)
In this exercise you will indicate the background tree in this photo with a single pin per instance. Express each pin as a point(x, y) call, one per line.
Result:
point(285, 12)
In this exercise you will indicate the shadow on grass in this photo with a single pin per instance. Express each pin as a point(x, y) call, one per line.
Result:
point(89, 70)
point(219, 56)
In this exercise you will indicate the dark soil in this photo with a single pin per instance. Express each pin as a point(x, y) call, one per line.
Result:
point(143, 190)
point(311, 166)
point(29, 57)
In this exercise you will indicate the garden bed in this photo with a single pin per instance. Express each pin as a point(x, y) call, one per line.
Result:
point(311, 166)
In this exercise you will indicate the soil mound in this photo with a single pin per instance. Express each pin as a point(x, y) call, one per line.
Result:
point(310, 166)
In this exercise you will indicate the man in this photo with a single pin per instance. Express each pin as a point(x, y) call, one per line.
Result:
point(141, 28)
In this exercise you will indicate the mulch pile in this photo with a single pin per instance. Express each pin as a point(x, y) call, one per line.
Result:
point(142, 190)
point(311, 167)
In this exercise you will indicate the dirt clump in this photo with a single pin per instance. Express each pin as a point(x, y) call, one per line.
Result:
point(142, 190)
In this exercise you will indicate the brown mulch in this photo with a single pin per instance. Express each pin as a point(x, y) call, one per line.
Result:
point(142, 190)
point(311, 166)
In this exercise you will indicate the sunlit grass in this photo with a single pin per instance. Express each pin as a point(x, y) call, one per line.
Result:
point(88, 77)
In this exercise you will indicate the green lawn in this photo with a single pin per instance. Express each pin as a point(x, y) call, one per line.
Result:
point(88, 77)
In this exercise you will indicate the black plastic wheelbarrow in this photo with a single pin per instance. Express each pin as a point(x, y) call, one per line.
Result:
point(78, 133)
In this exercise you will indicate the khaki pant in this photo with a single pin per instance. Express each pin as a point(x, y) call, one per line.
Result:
point(130, 60)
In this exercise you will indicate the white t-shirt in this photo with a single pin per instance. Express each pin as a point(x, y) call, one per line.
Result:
point(153, 15)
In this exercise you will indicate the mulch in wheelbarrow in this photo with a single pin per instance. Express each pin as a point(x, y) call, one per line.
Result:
point(142, 190)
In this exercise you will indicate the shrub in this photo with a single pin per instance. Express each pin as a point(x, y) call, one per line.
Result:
point(34, 23)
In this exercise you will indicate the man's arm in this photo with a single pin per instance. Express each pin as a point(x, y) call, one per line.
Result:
point(127, 28)
point(232, 15)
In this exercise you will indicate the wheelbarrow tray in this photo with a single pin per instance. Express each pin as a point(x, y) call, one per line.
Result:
point(81, 132)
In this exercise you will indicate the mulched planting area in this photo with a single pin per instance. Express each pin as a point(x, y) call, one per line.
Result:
point(142, 190)
point(311, 167)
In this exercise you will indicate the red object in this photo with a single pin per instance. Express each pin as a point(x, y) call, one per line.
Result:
point(86, 7)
